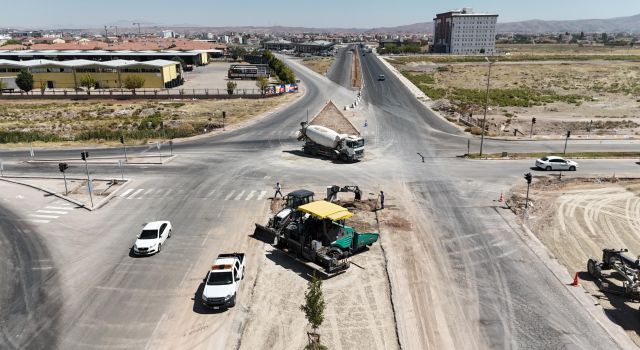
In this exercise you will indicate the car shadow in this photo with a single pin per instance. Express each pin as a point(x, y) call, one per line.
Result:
point(535, 168)
point(200, 308)
point(134, 255)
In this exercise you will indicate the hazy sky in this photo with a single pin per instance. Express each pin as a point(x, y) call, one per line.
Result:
point(308, 13)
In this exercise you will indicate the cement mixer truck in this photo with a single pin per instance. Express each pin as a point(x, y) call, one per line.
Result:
point(325, 142)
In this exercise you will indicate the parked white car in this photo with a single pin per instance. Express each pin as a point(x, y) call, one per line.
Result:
point(152, 237)
point(556, 163)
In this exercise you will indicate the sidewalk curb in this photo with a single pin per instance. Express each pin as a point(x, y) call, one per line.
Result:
point(68, 199)
point(584, 298)
point(75, 161)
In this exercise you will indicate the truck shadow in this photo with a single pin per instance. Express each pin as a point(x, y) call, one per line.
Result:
point(199, 308)
point(300, 153)
point(283, 260)
point(621, 313)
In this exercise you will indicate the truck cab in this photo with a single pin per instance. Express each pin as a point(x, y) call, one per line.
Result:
point(354, 147)
point(223, 281)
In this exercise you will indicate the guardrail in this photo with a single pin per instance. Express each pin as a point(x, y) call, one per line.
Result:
point(125, 94)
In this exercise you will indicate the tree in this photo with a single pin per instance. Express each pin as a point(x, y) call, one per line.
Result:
point(237, 52)
point(12, 42)
point(231, 85)
point(314, 310)
point(88, 82)
point(24, 80)
point(262, 83)
point(133, 82)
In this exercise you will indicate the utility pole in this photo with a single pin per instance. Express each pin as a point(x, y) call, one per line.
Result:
point(63, 167)
point(84, 155)
point(1, 168)
point(171, 146)
point(527, 177)
point(138, 24)
point(106, 33)
point(124, 145)
point(486, 104)
point(565, 141)
point(224, 115)
point(533, 121)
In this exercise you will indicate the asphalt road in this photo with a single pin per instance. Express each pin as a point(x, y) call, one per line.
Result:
point(465, 278)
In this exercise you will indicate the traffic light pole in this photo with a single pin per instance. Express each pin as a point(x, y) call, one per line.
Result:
point(566, 140)
point(86, 167)
point(533, 121)
point(125, 148)
point(66, 191)
point(526, 203)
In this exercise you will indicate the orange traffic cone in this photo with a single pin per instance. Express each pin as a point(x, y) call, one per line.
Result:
point(575, 280)
point(501, 198)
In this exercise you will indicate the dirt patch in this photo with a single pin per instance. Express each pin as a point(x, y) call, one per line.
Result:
point(319, 65)
point(356, 70)
point(331, 117)
point(358, 312)
point(399, 223)
point(576, 219)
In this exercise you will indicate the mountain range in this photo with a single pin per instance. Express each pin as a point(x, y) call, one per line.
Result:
point(629, 24)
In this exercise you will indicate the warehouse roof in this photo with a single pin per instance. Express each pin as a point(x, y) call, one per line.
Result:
point(86, 63)
point(31, 53)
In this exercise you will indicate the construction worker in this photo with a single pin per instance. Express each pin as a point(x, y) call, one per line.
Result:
point(278, 191)
point(381, 200)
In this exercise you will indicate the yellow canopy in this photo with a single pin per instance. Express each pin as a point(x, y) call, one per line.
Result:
point(326, 210)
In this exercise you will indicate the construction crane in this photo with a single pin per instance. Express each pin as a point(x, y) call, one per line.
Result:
point(137, 24)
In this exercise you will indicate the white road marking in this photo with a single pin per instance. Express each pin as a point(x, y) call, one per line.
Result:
point(250, 195)
point(210, 193)
point(58, 208)
point(42, 268)
point(135, 193)
point(44, 216)
point(125, 193)
point(51, 212)
point(261, 196)
point(239, 196)
point(37, 221)
point(148, 191)
point(167, 193)
point(229, 195)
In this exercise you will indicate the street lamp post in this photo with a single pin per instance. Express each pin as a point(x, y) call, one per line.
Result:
point(486, 105)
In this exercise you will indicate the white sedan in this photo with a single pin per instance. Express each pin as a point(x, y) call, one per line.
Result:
point(556, 163)
point(152, 237)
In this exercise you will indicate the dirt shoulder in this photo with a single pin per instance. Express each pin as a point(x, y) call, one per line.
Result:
point(84, 122)
point(319, 65)
point(576, 219)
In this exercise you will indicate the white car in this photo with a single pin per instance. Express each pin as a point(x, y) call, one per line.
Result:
point(152, 237)
point(556, 163)
point(223, 281)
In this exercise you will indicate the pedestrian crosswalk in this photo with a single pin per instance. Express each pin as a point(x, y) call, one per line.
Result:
point(49, 213)
point(226, 195)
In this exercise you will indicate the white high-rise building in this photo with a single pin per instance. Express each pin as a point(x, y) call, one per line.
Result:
point(463, 32)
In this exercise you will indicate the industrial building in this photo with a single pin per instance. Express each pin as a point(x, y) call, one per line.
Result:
point(193, 57)
point(464, 32)
point(110, 74)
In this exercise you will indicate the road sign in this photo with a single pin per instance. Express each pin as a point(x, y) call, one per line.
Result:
point(120, 162)
point(90, 187)
point(158, 145)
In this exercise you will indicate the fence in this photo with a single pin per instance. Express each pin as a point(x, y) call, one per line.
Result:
point(124, 94)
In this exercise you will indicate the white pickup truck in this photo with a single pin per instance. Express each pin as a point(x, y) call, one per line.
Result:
point(223, 281)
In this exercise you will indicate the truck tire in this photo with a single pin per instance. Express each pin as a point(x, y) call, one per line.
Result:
point(593, 267)
point(233, 300)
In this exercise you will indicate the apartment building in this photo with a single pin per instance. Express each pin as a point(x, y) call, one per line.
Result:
point(463, 32)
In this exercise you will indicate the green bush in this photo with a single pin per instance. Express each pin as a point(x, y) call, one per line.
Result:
point(26, 136)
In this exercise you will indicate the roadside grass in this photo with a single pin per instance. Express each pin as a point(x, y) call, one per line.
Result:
point(513, 58)
point(574, 155)
point(68, 123)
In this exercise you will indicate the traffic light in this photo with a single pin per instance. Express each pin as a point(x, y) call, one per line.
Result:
point(528, 177)
point(122, 139)
point(533, 120)
point(63, 167)
point(84, 155)
point(568, 133)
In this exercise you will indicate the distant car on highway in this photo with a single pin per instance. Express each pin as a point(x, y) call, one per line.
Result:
point(381, 77)
point(556, 163)
point(152, 237)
